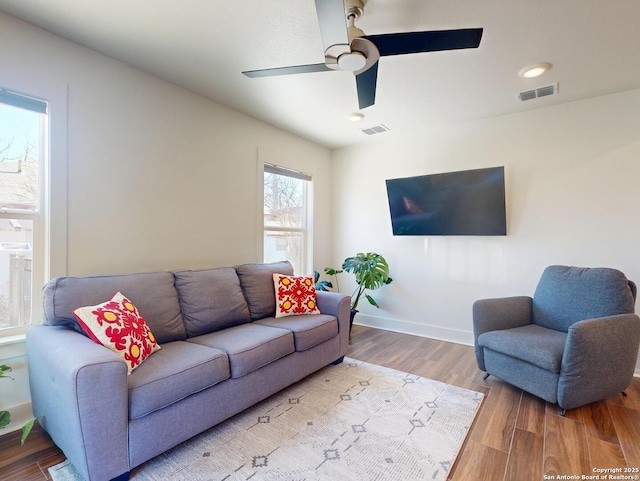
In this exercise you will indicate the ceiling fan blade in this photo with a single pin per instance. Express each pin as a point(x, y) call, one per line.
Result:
point(430, 41)
point(366, 84)
point(272, 72)
point(333, 24)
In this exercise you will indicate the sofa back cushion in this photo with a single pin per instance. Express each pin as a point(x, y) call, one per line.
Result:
point(211, 300)
point(257, 285)
point(566, 295)
point(153, 293)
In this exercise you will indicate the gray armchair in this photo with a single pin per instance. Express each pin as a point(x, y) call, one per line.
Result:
point(575, 342)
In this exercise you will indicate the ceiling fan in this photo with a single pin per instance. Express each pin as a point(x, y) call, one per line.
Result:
point(346, 47)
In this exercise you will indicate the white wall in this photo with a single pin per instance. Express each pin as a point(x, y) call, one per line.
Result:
point(573, 196)
point(158, 177)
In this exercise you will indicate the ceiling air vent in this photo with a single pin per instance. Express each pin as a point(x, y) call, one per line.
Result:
point(378, 129)
point(537, 93)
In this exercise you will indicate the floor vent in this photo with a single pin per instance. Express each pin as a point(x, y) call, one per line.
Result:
point(537, 93)
point(378, 129)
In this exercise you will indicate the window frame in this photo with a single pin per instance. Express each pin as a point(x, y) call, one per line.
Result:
point(50, 235)
point(38, 268)
point(306, 230)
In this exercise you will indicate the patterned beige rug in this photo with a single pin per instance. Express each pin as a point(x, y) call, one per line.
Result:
point(353, 422)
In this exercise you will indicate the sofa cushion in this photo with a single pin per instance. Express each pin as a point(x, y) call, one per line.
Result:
point(534, 344)
point(211, 300)
point(257, 285)
point(177, 371)
point(294, 295)
point(153, 293)
point(249, 346)
point(566, 295)
point(117, 325)
point(309, 330)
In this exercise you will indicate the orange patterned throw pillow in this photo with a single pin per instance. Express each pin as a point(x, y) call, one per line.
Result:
point(294, 295)
point(118, 325)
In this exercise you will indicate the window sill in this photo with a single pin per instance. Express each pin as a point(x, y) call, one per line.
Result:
point(13, 339)
point(12, 346)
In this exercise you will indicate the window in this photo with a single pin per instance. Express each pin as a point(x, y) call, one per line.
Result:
point(23, 130)
point(287, 224)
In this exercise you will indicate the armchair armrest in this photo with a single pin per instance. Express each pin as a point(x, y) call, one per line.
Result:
point(79, 394)
point(599, 359)
point(339, 306)
point(499, 313)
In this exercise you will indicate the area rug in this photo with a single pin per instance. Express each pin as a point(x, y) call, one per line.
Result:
point(351, 422)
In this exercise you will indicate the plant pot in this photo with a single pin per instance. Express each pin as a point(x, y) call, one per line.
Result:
point(353, 314)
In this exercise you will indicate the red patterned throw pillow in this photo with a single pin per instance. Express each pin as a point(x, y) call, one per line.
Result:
point(118, 325)
point(294, 295)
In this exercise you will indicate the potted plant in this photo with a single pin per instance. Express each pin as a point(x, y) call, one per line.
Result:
point(5, 416)
point(371, 271)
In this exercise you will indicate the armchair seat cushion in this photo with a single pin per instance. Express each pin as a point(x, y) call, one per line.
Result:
point(534, 344)
point(188, 368)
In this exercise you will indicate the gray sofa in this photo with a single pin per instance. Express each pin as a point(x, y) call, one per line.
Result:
point(221, 352)
point(573, 343)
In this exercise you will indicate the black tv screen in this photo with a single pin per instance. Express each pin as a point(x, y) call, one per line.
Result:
point(471, 202)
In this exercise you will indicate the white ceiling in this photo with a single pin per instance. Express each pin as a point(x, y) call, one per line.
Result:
point(204, 45)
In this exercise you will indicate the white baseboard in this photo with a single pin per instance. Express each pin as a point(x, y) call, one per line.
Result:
point(20, 414)
point(422, 330)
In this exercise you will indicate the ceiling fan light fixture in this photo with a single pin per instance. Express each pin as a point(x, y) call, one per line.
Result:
point(355, 117)
point(534, 70)
point(352, 61)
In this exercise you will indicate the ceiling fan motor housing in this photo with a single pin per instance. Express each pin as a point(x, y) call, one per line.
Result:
point(354, 8)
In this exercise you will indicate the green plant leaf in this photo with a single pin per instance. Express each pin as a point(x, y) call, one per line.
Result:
point(371, 269)
point(323, 285)
point(5, 369)
point(5, 419)
point(330, 271)
point(371, 272)
point(372, 301)
point(26, 429)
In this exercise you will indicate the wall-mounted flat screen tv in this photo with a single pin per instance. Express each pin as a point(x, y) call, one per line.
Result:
point(471, 202)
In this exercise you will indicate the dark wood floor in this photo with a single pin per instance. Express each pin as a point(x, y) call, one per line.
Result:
point(515, 437)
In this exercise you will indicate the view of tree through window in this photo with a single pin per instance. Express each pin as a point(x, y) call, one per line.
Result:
point(20, 152)
point(285, 217)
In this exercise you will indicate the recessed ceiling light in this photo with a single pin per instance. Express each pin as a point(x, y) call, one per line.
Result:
point(355, 117)
point(534, 70)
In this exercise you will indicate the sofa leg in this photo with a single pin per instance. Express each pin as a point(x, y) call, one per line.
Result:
point(624, 394)
point(122, 477)
point(562, 411)
point(485, 377)
point(338, 361)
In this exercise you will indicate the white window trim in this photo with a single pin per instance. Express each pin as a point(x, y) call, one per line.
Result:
point(307, 230)
point(53, 214)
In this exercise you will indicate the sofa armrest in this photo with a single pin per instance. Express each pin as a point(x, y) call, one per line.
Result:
point(499, 313)
point(79, 395)
point(339, 306)
point(599, 359)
